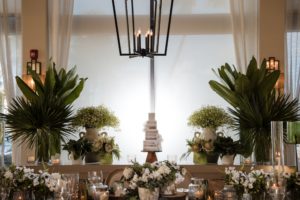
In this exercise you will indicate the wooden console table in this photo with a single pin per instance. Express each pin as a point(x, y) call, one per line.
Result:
point(209, 171)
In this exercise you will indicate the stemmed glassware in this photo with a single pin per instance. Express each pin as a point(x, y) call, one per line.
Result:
point(95, 178)
point(68, 186)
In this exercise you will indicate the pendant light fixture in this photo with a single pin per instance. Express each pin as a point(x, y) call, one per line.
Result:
point(144, 43)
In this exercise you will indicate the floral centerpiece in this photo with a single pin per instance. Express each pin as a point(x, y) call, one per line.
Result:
point(148, 178)
point(227, 148)
point(209, 118)
point(292, 184)
point(22, 179)
point(77, 149)
point(106, 147)
point(254, 182)
point(199, 147)
point(93, 118)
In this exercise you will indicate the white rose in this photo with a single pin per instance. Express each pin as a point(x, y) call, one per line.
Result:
point(36, 182)
point(55, 176)
point(183, 171)
point(8, 175)
point(127, 173)
point(250, 186)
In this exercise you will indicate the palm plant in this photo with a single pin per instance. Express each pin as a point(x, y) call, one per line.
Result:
point(255, 104)
point(43, 119)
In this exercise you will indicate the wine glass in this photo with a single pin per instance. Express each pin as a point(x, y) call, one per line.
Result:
point(71, 185)
point(95, 177)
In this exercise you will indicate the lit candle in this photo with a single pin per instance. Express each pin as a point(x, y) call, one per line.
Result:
point(276, 64)
point(138, 40)
point(55, 161)
point(147, 41)
point(151, 41)
point(30, 159)
point(268, 64)
point(275, 189)
point(272, 63)
point(104, 196)
point(199, 194)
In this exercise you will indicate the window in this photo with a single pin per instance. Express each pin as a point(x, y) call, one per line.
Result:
point(200, 39)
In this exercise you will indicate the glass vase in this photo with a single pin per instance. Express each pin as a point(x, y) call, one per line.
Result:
point(277, 146)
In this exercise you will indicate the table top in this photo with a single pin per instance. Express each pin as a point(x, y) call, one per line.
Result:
point(177, 196)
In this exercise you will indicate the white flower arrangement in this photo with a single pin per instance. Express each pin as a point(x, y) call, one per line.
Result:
point(292, 181)
point(155, 175)
point(253, 182)
point(24, 179)
point(106, 144)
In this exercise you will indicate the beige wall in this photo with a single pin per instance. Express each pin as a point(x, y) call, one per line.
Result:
point(271, 29)
point(34, 36)
point(34, 28)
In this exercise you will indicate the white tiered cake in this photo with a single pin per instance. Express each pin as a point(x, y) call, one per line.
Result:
point(153, 139)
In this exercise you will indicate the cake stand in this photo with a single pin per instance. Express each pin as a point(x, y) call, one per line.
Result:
point(151, 156)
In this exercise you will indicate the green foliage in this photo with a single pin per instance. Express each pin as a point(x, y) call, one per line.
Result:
point(226, 146)
point(197, 145)
point(95, 117)
point(209, 116)
point(78, 147)
point(105, 144)
point(254, 104)
point(44, 119)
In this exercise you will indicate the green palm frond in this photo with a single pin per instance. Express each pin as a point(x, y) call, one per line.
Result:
point(254, 103)
point(43, 119)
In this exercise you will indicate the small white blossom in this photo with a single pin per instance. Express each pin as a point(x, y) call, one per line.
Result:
point(127, 173)
point(8, 175)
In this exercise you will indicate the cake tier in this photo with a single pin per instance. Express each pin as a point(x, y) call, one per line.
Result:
point(152, 149)
point(151, 124)
point(151, 116)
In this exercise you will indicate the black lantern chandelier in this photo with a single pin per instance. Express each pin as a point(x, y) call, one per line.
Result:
point(147, 46)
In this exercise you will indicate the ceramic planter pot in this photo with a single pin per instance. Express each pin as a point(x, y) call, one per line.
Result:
point(106, 159)
point(199, 158)
point(91, 134)
point(227, 159)
point(147, 194)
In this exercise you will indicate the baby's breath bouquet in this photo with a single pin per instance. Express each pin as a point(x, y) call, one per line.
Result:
point(105, 144)
point(209, 117)
point(95, 117)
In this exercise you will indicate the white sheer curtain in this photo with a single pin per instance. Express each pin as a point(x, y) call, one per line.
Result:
point(10, 55)
point(60, 26)
point(292, 69)
point(245, 31)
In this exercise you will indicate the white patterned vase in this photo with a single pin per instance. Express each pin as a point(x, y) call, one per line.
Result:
point(147, 194)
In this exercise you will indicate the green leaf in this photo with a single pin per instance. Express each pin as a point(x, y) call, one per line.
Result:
point(224, 92)
point(26, 90)
point(75, 93)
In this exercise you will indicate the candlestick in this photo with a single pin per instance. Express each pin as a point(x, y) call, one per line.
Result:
point(138, 40)
point(151, 41)
point(147, 41)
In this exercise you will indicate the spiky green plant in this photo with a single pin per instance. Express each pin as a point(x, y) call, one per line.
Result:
point(254, 104)
point(42, 118)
